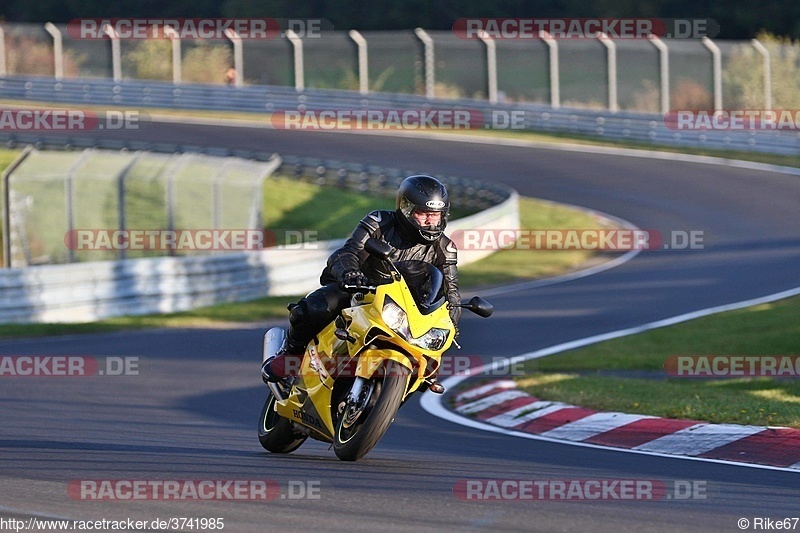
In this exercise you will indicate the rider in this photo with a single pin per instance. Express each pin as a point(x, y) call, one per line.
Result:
point(415, 230)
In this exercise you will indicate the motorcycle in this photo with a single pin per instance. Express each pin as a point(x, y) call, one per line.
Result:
point(366, 363)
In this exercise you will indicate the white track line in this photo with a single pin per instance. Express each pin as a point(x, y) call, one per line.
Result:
point(433, 403)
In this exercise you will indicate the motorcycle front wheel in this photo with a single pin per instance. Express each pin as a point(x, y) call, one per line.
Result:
point(275, 432)
point(357, 433)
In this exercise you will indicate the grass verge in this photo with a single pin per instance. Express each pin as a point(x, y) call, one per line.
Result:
point(591, 376)
point(292, 204)
point(509, 266)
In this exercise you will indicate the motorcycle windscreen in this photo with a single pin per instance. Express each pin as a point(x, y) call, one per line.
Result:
point(425, 282)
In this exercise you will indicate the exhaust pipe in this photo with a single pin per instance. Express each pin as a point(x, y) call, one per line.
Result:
point(273, 340)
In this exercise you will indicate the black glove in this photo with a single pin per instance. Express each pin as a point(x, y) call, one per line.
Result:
point(353, 278)
point(455, 313)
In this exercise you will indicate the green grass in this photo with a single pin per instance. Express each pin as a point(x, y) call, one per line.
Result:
point(768, 329)
point(7, 157)
point(759, 401)
point(508, 266)
point(587, 377)
point(333, 213)
point(253, 311)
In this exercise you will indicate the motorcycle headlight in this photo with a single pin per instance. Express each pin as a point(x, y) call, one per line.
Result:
point(397, 319)
point(433, 340)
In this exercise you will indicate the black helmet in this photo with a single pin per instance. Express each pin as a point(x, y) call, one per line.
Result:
point(422, 193)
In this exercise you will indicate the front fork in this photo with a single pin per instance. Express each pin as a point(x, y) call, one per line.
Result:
point(356, 400)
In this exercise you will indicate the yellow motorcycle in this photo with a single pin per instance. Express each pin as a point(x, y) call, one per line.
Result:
point(364, 365)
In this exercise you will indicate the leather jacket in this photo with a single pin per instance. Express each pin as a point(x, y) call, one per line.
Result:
point(384, 225)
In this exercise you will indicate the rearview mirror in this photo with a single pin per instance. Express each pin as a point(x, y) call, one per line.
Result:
point(378, 248)
point(480, 307)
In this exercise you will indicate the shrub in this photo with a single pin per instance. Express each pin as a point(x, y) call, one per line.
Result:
point(743, 75)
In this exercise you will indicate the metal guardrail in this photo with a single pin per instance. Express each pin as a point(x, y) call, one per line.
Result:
point(81, 292)
point(641, 127)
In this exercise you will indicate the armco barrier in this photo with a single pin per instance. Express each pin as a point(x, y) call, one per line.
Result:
point(641, 127)
point(81, 292)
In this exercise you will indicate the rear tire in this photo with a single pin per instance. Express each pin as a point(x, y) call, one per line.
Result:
point(352, 441)
point(275, 432)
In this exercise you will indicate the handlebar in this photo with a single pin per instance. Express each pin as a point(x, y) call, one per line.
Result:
point(360, 288)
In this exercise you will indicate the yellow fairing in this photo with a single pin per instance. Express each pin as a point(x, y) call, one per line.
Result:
point(367, 320)
point(309, 403)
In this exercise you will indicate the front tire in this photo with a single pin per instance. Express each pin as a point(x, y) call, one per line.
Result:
point(275, 432)
point(353, 439)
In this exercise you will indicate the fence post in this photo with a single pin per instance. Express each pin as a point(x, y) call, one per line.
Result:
point(69, 196)
point(177, 71)
point(238, 55)
point(121, 215)
point(767, 73)
point(299, 69)
point(491, 64)
point(363, 64)
point(3, 71)
point(663, 60)
point(430, 79)
point(552, 45)
point(58, 49)
point(177, 162)
point(7, 203)
point(611, 59)
point(717, 62)
point(256, 214)
point(116, 61)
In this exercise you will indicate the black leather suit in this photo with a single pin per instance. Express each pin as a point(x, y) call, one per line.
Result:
point(317, 309)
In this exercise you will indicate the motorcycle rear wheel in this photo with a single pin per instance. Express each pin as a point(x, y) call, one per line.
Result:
point(352, 441)
point(275, 432)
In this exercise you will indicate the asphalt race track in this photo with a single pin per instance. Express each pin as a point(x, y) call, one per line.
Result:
point(191, 412)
